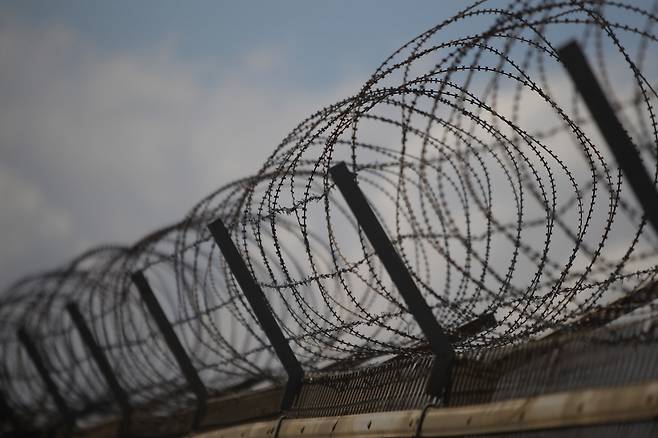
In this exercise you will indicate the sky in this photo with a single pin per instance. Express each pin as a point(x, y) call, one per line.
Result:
point(117, 117)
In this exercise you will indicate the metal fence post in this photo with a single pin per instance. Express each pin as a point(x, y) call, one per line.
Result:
point(619, 142)
point(261, 308)
point(37, 361)
point(7, 414)
point(439, 340)
point(175, 346)
point(103, 365)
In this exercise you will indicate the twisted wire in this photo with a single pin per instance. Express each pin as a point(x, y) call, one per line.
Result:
point(478, 158)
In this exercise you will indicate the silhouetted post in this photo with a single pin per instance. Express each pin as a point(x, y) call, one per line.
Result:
point(261, 308)
point(439, 341)
point(37, 361)
point(103, 365)
point(482, 322)
point(7, 414)
point(175, 346)
point(625, 152)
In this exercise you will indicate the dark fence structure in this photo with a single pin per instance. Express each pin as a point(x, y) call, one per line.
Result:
point(482, 208)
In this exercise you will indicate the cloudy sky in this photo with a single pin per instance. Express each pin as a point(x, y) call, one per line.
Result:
point(118, 116)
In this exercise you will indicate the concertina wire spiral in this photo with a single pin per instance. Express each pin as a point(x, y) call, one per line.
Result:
point(480, 160)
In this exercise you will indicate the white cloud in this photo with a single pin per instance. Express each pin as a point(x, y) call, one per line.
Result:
point(28, 219)
point(121, 143)
point(264, 59)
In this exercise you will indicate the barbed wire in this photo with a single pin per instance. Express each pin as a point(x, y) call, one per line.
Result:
point(478, 158)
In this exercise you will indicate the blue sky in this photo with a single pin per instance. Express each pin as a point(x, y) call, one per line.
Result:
point(324, 40)
point(118, 116)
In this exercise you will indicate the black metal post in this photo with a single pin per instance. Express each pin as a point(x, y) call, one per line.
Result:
point(625, 152)
point(7, 415)
point(261, 308)
point(175, 346)
point(484, 321)
point(103, 365)
point(440, 342)
point(37, 361)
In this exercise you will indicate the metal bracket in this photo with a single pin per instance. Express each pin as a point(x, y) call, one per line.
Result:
point(618, 140)
point(175, 346)
point(37, 360)
point(261, 308)
point(103, 365)
point(421, 419)
point(440, 342)
point(482, 322)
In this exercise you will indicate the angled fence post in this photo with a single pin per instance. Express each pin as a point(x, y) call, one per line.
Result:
point(103, 365)
point(37, 361)
point(175, 346)
point(8, 415)
point(259, 305)
point(619, 142)
point(439, 340)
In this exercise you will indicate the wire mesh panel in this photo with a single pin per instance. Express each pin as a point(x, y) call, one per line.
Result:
point(567, 363)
